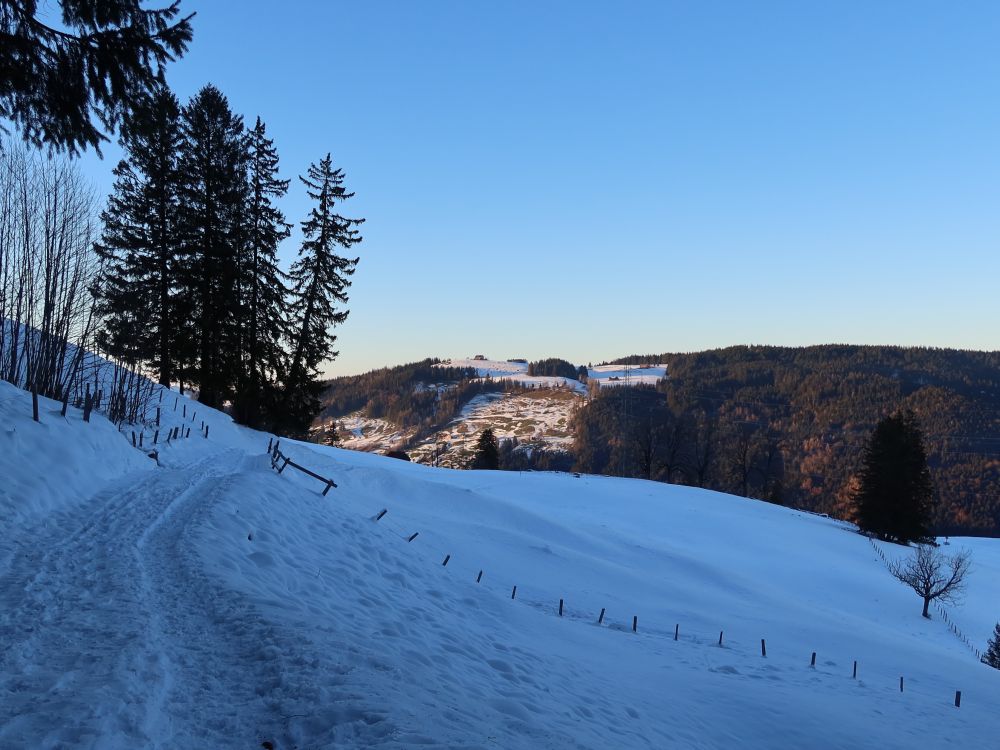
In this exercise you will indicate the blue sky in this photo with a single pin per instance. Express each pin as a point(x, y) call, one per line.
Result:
point(589, 180)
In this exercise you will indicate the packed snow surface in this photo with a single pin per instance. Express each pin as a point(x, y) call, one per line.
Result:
point(203, 600)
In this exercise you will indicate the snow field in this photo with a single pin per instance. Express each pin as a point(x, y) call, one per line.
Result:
point(612, 375)
point(210, 602)
point(839, 604)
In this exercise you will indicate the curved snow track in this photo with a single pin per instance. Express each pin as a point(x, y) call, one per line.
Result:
point(113, 637)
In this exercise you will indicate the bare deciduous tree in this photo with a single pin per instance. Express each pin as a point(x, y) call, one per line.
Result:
point(933, 575)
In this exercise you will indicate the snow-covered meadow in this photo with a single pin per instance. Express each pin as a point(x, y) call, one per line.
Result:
point(210, 602)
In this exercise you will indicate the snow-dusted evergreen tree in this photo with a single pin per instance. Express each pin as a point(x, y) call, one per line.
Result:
point(213, 197)
point(138, 247)
point(320, 279)
point(992, 655)
point(262, 282)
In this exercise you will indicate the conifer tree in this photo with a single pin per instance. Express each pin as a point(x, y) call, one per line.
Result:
point(895, 490)
point(320, 279)
point(992, 655)
point(101, 58)
point(212, 190)
point(263, 282)
point(487, 451)
point(138, 246)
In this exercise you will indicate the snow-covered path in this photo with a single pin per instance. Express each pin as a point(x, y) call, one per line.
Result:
point(113, 637)
point(210, 602)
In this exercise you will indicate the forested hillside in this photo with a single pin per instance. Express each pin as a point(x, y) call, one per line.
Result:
point(788, 424)
point(419, 396)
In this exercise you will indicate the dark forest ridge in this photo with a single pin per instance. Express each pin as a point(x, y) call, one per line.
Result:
point(781, 423)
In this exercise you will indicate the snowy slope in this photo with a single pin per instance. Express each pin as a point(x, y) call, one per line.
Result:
point(515, 371)
point(612, 375)
point(210, 602)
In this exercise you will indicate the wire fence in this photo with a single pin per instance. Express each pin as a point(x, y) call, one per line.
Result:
point(280, 461)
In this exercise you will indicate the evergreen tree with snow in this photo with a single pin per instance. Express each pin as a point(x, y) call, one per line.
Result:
point(262, 284)
point(213, 196)
point(992, 655)
point(138, 247)
point(320, 279)
point(895, 489)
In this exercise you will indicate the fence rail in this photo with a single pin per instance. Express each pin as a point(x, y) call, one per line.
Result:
point(277, 457)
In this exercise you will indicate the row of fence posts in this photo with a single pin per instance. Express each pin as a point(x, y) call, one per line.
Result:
point(279, 462)
point(178, 432)
point(940, 609)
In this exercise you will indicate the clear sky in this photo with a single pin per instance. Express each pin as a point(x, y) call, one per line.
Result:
point(590, 180)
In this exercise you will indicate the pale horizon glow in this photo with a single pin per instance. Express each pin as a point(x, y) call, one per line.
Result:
point(589, 181)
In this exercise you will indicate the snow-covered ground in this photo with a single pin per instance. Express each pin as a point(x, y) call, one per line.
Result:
point(361, 433)
point(515, 371)
point(611, 375)
point(540, 418)
point(210, 602)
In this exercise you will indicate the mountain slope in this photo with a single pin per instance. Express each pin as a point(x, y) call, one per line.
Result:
point(214, 602)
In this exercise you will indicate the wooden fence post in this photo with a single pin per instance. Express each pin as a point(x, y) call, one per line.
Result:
point(156, 436)
point(206, 431)
point(479, 577)
point(269, 441)
point(677, 630)
point(184, 411)
point(560, 607)
point(381, 513)
point(812, 662)
point(635, 623)
point(446, 559)
point(600, 618)
point(901, 684)
point(763, 648)
point(326, 489)
point(855, 675)
point(133, 438)
point(513, 592)
point(720, 637)
point(958, 699)
point(413, 536)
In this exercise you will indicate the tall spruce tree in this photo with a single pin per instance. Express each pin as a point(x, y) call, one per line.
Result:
point(213, 190)
point(138, 247)
point(895, 491)
point(320, 279)
point(263, 289)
